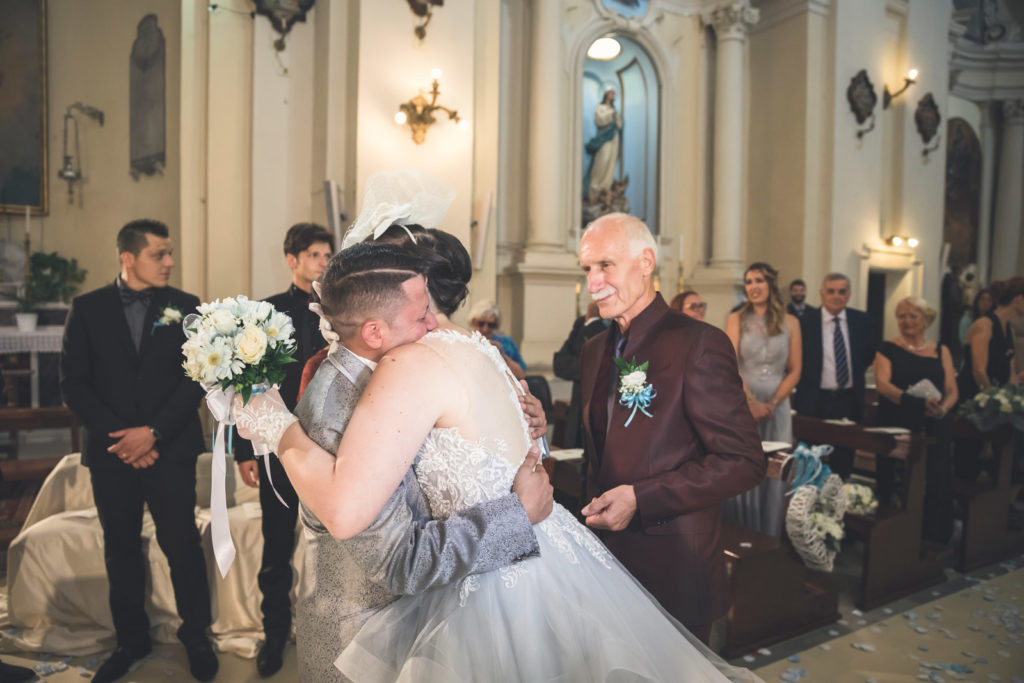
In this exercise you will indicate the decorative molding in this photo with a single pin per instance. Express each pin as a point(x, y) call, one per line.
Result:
point(982, 73)
point(778, 12)
point(1013, 111)
point(731, 21)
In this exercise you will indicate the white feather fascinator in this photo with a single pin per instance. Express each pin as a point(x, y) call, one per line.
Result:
point(402, 197)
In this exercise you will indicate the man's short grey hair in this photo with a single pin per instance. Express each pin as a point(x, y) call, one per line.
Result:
point(485, 309)
point(637, 233)
point(832, 277)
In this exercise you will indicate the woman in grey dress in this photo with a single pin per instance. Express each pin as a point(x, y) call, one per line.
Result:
point(767, 342)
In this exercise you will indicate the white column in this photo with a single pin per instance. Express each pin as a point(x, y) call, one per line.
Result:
point(1009, 200)
point(988, 175)
point(731, 23)
point(546, 176)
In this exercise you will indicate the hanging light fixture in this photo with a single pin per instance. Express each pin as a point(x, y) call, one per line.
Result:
point(71, 169)
point(604, 49)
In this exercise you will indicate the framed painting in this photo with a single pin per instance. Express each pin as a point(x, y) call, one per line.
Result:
point(23, 180)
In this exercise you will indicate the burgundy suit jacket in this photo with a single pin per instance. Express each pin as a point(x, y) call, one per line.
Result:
point(700, 448)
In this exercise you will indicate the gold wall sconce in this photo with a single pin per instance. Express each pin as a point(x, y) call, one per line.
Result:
point(419, 111)
point(908, 80)
point(901, 240)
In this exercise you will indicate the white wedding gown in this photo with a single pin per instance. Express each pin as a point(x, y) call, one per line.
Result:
point(571, 614)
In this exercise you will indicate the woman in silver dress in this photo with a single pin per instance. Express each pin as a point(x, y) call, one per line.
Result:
point(767, 341)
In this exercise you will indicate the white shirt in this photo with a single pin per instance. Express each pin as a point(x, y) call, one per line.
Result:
point(828, 357)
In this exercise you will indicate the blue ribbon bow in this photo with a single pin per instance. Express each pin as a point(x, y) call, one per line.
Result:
point(809, 467)
point(641, 402)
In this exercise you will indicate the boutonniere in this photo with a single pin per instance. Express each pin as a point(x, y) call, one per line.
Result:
point(171, 315)
point(634, 390)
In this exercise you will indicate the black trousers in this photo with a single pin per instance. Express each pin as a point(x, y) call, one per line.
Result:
point(275, 577)
point(832, 405)
point(168, 488)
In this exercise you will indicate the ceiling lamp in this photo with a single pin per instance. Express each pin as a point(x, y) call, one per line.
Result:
point(604, 49)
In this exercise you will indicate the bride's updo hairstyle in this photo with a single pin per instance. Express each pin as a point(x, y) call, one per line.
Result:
point(448, 267)
point(365, 281)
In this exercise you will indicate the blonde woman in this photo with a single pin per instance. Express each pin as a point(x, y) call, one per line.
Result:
point(899, 364)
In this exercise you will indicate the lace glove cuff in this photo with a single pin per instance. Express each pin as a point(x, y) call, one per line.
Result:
point(263, 419)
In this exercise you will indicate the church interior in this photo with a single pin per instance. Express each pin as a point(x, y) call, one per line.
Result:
point(879, 139)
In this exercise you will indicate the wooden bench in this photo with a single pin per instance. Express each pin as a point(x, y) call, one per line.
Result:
point(16, 420)
point(773, 596)
point(986, 534)
point(21, 482)
point(897, 561)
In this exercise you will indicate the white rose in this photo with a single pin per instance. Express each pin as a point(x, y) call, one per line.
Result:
point(633, 383)
point(171, 316)
point(982, 399)
point(223, 321)
point(1006, 407)
point(251, 344)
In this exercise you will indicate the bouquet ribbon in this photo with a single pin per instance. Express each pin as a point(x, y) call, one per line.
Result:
point(219, 402)
point(261, 449)
point(640, 401)
point(809, 467)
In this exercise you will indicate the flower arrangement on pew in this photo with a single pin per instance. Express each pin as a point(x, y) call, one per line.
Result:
point(860, 499)
point(993, 406)
point(814, 519)
point(234, 346)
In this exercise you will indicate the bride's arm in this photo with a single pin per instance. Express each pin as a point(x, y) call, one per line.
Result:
point(402, 402)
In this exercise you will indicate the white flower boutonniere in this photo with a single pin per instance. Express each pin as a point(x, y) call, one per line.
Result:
point(171, 315)
point(634, 390)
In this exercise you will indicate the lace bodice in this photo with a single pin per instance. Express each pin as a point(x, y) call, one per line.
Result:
point(456, 472)
point(762, 358)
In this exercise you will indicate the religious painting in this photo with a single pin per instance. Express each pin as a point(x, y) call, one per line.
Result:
point(23, 180)
point(620, 133)
point(963, 192)
point(628, 8)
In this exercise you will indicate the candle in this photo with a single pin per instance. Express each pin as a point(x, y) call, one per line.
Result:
point(28, 211)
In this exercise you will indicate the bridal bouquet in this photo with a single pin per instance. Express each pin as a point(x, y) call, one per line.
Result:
point(994, 406)
point(814, 518)
point(234, 345)
point(238, 344)
point(860, 499)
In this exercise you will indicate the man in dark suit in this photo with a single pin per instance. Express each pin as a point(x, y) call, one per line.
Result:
point(567, 366)
point(838, 346)
point(659, 481)
point(798, 299)
point(121, 375)
point(307, 249)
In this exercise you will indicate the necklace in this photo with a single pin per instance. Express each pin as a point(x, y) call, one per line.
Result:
point(911, 347)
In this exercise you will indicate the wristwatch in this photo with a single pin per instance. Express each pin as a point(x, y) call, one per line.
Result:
point(156, 434)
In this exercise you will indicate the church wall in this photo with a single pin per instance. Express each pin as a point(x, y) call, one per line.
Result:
point(777, 217)
point(392, 68)
point(88, 47)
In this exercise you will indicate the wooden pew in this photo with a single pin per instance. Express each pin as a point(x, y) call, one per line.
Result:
point(773, 596)
point(986, 535)
point(14, 420)
point(897, 561)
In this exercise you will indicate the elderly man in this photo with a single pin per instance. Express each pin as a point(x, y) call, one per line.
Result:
point(666, 446)
point(838, 347)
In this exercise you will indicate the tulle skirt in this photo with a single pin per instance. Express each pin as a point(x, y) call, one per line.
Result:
point(571, 614)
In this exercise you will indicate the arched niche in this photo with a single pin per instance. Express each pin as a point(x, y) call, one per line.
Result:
point(605, 22)
point(620, 108)
point(963, 192)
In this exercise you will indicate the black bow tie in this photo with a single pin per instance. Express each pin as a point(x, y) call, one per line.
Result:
point(129, 295)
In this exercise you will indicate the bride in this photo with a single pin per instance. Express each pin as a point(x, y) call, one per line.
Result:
point(449, 403)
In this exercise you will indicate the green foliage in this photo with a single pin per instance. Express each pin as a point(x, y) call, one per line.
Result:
point(270, 371)
point(53, 277)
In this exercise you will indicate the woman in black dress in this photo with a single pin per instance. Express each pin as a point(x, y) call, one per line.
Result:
point(988, 361)
point(900, 364)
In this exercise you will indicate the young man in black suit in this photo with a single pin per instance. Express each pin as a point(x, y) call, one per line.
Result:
point(566, 365)
point(798, 299)
point(121, 375)
point(838, 346)
point(307, 249)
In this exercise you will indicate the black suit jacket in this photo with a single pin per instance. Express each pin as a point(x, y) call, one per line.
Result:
point(295, 304)
point(862, 353)
point(110, 385)
point(792, 310)
point(566, 364)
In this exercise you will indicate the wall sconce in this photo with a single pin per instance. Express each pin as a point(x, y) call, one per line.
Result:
point(419, 112)
point(900, 240)
point(908, 80)
point(71, 169)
